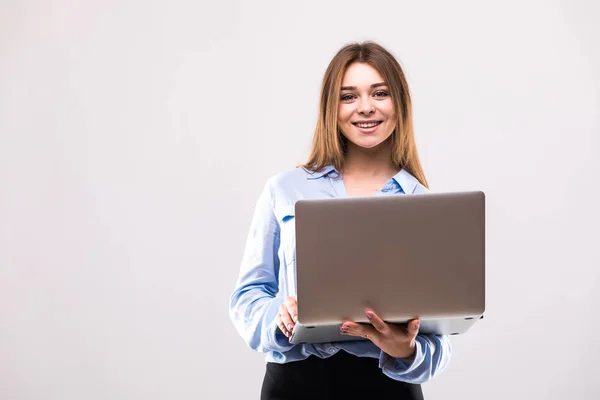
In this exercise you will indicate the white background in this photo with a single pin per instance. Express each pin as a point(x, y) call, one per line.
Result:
point(136, 135)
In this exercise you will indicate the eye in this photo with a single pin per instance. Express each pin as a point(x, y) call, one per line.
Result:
point(347, 97)
point(380, 93)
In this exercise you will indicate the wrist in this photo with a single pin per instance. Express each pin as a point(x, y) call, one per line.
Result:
point(406, 352)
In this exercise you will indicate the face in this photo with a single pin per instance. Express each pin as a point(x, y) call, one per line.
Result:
point(366, 113)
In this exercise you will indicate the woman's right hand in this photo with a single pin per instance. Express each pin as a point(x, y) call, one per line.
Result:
point(288, 315)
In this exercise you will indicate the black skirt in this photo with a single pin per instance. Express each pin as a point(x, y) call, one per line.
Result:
point(342, 376)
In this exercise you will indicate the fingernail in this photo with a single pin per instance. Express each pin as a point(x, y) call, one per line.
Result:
point(295, 318)
point(290, 327)
point(369, 314)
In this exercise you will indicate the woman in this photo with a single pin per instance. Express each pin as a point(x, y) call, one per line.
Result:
point(363, 145)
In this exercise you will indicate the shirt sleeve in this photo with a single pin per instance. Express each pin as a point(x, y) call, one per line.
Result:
point(254, 303)
point(432, 355)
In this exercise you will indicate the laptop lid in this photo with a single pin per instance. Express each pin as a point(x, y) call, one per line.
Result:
point(404, 255)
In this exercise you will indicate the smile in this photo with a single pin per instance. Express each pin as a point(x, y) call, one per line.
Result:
point(366, 124)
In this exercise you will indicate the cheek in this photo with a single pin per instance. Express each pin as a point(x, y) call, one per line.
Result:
point(387, 109)
point(344, 114)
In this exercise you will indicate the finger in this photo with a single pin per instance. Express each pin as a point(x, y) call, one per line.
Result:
point(281, 327)
point(376, 321)
point(353, 329)
point(363, 334)
point(292, 306)
point(413, 328)
point(280, 322)
point(352, 332)
point(286, 318)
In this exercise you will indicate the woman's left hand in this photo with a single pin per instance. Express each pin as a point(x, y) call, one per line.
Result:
point(396, 341)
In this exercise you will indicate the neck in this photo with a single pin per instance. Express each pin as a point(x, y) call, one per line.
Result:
point(374, 162)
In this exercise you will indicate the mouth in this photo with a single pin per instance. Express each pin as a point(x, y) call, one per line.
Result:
point(366, 124)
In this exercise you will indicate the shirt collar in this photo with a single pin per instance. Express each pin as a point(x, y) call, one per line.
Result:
point(320, 173)
point(407, 182)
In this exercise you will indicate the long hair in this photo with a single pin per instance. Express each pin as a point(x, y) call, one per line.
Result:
point(328, 147)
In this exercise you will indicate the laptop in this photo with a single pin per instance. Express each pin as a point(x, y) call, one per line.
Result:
point(404, 256)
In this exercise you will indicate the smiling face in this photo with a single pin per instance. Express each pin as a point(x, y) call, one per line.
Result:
point(366, 115)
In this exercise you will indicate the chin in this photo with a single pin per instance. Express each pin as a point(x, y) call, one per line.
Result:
point(368, 143)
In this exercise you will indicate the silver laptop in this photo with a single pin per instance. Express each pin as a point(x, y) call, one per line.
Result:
point(405, 256)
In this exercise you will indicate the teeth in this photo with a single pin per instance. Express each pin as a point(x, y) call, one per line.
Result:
point(369, 125)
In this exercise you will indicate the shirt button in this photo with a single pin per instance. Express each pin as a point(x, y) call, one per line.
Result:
point(332, 350)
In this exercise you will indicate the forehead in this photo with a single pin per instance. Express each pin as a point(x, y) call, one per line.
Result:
point(361, 74)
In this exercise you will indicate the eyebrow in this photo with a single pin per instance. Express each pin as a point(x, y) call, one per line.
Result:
point(375, 85)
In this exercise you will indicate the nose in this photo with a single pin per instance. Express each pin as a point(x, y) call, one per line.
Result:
point(366, 107)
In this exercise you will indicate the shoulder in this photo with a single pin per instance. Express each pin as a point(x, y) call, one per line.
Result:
point(286, 181)
point(288, 177)
point(286, 186)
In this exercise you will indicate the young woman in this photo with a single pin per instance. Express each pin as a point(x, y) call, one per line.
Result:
point(363, 145)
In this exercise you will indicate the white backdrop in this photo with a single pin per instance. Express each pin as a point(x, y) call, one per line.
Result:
point(136, 135)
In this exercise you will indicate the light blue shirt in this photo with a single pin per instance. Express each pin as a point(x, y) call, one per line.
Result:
point(268, 270)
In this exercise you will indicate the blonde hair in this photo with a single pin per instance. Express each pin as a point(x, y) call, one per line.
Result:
point(328, 147)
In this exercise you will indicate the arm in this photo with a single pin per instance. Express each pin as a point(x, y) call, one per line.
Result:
point(405, 354)
point(432, 355)
point(254, 303)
